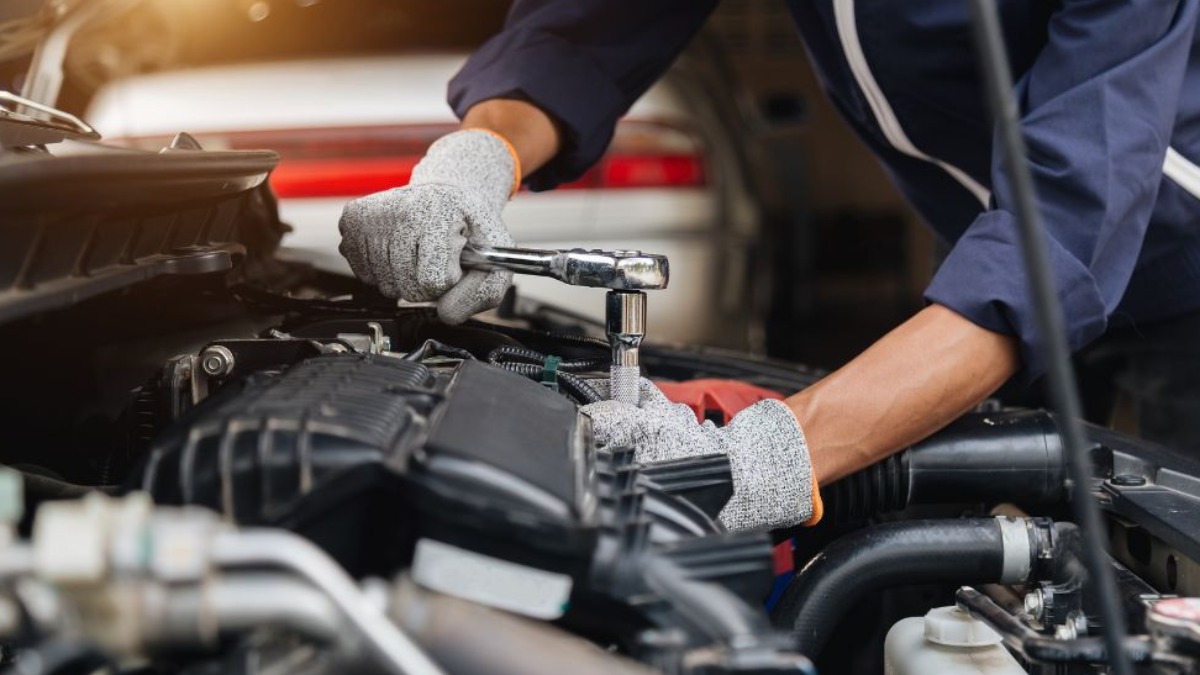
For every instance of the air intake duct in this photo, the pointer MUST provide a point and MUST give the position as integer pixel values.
(1014, 456)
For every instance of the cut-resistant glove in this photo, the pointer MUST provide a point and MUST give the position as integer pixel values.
(773, 483)
(407, 241)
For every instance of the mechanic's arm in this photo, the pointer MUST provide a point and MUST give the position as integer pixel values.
(1098, 110)
(918, 378)
(539, 103)
(532, 134)
(1098, 107)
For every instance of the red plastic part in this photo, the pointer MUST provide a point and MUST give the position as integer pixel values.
(718, 400)
(783, 557)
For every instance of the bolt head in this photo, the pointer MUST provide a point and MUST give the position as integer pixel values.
(216, 361)
(1035, 604)
(212, 364)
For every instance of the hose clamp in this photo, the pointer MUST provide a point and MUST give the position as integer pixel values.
(1018, 551)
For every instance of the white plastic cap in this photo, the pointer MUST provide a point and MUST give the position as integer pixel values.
(952, 627)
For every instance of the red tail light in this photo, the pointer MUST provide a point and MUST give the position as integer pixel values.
(631, 171)
(340, 177)
(647, 155)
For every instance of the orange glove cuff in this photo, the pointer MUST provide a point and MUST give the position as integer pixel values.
(818, 506)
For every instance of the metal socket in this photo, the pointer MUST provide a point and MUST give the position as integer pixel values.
(625, 315)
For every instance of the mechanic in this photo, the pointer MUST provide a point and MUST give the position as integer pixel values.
(1110, 97)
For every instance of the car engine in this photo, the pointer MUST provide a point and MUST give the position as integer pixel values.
(217, 461)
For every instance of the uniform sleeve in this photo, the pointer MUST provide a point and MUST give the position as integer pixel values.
(1097, 109)
(584, 62)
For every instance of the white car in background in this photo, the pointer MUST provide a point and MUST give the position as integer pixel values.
(344, 127)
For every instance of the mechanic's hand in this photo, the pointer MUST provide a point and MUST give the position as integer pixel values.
(773, 484)
(407, 241)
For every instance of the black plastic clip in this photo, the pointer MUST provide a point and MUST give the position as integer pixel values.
(550, 372)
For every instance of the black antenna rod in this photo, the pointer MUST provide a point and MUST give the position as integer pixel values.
(993, 58)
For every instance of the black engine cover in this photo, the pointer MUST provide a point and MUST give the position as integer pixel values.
(480, 483)
(363, 453)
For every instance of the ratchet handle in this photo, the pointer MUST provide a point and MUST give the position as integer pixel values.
(519, 260)
(617, 270)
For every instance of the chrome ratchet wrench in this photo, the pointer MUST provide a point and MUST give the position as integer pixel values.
(628, 274)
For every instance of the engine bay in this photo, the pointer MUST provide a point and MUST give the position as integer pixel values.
(221, 462)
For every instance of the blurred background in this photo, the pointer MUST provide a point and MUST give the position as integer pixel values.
(784, 234)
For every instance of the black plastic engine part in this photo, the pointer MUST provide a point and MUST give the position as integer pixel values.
(1012, 456)
(382, 461)
(303, 451)
(969, 551)
(323, 450)
(118, 217)
(702, 481)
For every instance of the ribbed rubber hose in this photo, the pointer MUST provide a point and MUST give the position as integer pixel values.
(952, 552)
(1011, 456)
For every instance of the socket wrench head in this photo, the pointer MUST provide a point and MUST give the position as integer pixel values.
(625, 315)
(625, 319)
(618, 270)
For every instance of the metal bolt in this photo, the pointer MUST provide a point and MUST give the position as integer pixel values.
(380, 342)
(1065, 631)
(1035, 604)
(216, 361)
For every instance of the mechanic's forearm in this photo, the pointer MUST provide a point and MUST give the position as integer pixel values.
(532, 133)
(912, 382)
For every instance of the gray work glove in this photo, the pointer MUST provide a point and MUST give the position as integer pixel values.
(772, 476)
(407, 241)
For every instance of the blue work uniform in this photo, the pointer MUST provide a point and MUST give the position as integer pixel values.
(1109, 92)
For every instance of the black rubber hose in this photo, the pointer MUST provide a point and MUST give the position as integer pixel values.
(955, 552)
(1014, 456)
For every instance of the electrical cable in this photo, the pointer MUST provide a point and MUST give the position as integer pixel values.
(993, 57)
(572, 384)
(532, 364)
(511, 354)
